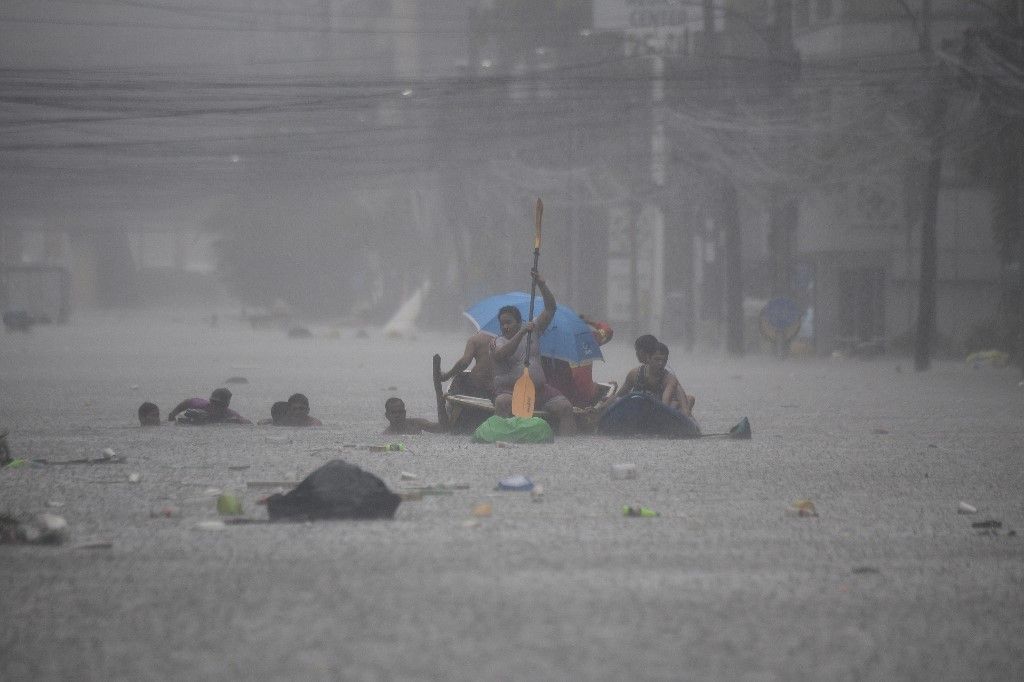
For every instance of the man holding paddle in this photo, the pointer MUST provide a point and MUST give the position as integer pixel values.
(517, 348)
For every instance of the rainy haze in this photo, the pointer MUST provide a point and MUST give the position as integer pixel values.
(295, 207)
(696, 159)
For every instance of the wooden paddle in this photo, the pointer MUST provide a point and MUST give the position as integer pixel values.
(442, 411)
(524, 393)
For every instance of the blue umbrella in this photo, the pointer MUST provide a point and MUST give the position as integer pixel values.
(567, 337)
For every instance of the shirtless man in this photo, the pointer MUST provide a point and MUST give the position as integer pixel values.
(478, 381)
(399, 424)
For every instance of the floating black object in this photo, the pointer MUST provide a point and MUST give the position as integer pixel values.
(337, 490)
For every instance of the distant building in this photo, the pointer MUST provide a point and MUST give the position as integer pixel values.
(859, 240)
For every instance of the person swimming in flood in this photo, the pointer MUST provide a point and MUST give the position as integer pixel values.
(298, 412)
(214, 410)
(278, 414)
(400, 424)
(149, 414)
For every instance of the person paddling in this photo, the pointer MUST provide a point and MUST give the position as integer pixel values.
(509, 354)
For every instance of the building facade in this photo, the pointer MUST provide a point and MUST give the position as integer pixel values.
(859, 235)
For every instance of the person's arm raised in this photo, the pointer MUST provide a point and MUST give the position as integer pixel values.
(544, 319)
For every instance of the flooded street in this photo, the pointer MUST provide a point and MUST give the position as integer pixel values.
(888, 581)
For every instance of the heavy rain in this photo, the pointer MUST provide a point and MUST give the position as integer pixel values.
(511, 339)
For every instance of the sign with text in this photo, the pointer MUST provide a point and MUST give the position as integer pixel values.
(624, 15)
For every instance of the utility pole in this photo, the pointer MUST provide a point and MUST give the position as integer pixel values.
(1017, 177)
(784, 209)
(1018, 133)
(924, 339)
(634, 271)
(656, 215)
(727, 211)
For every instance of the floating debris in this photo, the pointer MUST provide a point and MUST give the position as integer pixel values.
(517, 483)
(211, 525)
(802, 508)
(43, 529)
(862, 570)
(623, 471)
(388, 447)
(639, 511)
(166, 511)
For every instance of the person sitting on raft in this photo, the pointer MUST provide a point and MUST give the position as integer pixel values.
(478, 381)
(645, 346)
(298, 412)
(401, 425)
(216, 408)
(653, 378)
(510, 355)
(149, 414)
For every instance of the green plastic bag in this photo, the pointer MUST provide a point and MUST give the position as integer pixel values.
(514, 430)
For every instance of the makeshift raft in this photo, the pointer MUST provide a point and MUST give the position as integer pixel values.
(478, 409)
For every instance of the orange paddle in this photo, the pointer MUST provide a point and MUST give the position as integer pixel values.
(524, 393)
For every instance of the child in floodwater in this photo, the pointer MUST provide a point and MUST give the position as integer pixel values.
(149, 414)
(652, 377)
(399, 424)
(278, 413)
(298, 412)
